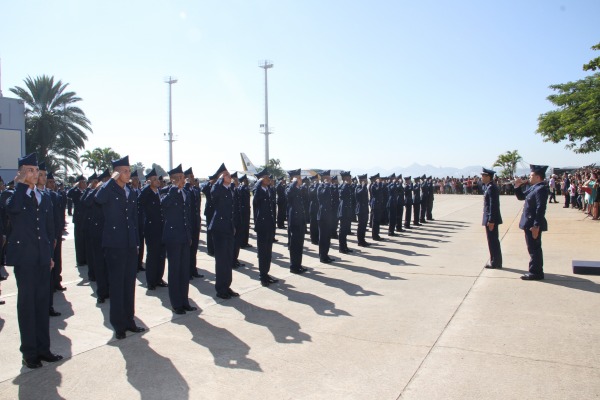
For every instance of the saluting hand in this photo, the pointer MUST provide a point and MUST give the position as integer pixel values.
(115, 175)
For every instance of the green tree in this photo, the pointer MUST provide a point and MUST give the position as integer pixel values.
(90, 159)
(274, 168)
(577, 119)
(55, 128)
(137, 166)
(99, 158)
(508, 161)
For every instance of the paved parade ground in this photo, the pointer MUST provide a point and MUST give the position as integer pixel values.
(414, 317)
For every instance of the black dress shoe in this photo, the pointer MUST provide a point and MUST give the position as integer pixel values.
(179, 311)
(273, 280)
(343, 251)
(532, 277)
(50, 357)
(407, 227)
(60, 288)
(326, 261)
(165, 284)
(54, 313)
(265, 282)
(297, 271)
(136, 329)
(223, 296)
(392, 234)
(189, 308)
(150, 287)
(101, 299)
(247, 246)
(379, 239)
(331, 258)
(2, 302)
(195, 275)
(275, 240)
(490, 266)
(32, 364)
(120, 335)
(239, 264)
(233, 294)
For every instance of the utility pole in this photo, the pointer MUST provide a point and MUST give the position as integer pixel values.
(266, 64)
(170, 139)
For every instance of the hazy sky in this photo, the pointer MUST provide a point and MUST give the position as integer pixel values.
(355, 84)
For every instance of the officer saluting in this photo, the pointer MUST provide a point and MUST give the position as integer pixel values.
(533, 219)
(222, 231)
(264, 225)
(78, 219)
(120, 243)
(29, 249)
(362, 210)
(194, 192)
(324, 196)
(344, 211)
(296, 221)
(177, 237)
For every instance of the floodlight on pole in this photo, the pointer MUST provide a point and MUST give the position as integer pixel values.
(266, 64)
(170, 80)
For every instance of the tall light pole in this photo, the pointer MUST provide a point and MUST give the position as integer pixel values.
(266, 64)
(169, 139)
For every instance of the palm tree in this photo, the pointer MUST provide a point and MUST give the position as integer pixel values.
(99, 159)
(55, 127)
(508, 161)
(90, 159)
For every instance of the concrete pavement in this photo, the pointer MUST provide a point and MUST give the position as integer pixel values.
(415, 317)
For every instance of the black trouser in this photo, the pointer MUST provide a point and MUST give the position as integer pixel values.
(494, 246)
(407, 215)
(141, 249)
(423, 210)
(552, 196)
(178, 255)
(281, 215)
(155, 260)
(376, 214)
(237, 244)
(89, 255)
(399, 215)
(223, 260)
(334, 223)
(416, 212)
(194, 250)
(361, 229)
(210, 245)
(345, 225)
(392, 216)
(102, 283)
(324, 237)
(536, 256)
(245, 230)
(264, 242)
(430, 208)
(122, 270)
(80, 244)
(567, 199)
(296, 244)
(314, 229)
(33, 303)
(56, 276)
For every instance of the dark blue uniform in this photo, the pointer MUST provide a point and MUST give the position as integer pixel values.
(281, 204)
(29, 249)
(59, 206)
(264, 226)
(208, 214)
(244, 198)
(296, 225)
(120, 243)
(430, 199)
(392, 207)
(344, 214)
(416, 191)
(177, 237)
(424, 201)
(313, 211)
(408, 202)
(376, 191)
(195, 226)
(400, 205)
(534, 214)
(362, 212)
(491, 214)
(222, 230)
(324, 196)
(153, 231)
(97, 260)
(79, 222)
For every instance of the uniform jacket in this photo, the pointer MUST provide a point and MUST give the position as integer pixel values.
(264, 220)
(325, 202)
(208, 208)
(96, 221)
(491, 205)
(222, 199)
(153, 216)
(534, 209)
(344, 210)
(362, 200)
(120, 216)
(295, 206)
(408, 194)
(177, 214)
(31, 241)
(313, 208)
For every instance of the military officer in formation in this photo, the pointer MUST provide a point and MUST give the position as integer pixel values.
(491, 217)
(345, 210)
(264, 225)
(30, 250)
(296, 221)
(324, 216)
(79, 219)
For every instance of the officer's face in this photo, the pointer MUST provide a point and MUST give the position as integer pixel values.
(226, 177)
(154, 182)
(486, 179)
(178, 180)
(265, 181)
(124, 175)
(51, 184)
(42, 178)
(30, 174)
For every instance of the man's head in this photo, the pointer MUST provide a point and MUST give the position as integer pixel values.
(42, 175)
(538, 173)
(487, 175)
(28, 170)
(122, 167)
(50, 182)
